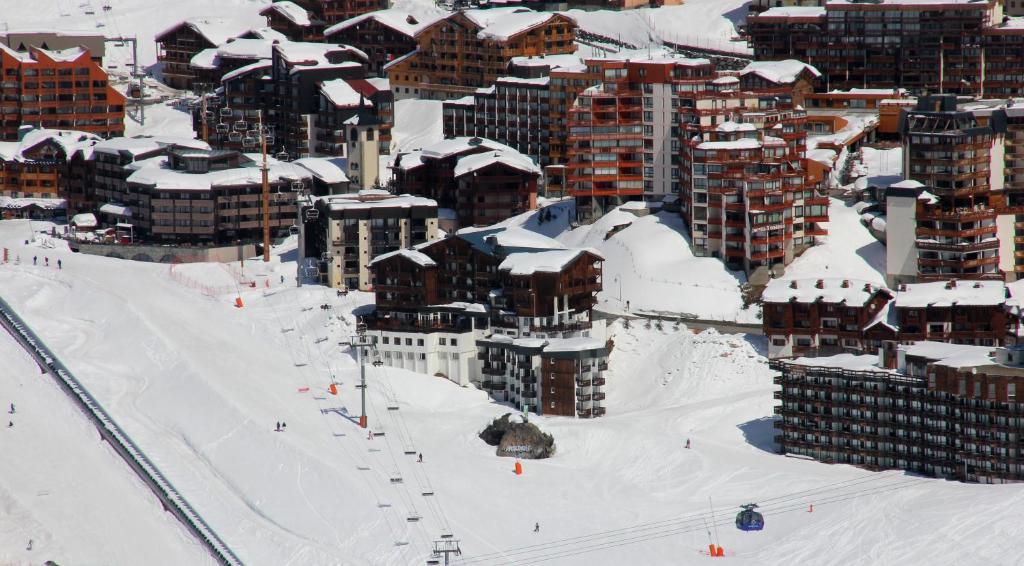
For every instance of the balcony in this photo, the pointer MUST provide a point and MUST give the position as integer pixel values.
(598, 381)
(584, 382)
(493, 385)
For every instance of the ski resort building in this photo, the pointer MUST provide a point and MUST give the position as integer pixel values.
(177, 45)
(209, 66)
(346, 231)
(822, 317)
(953, 46)
(472, 48)
(942, 410)
(385, 35)
(509, 310)
(293, 21)
(65, 90)
(36, 166)
(315, 100)
(482, 181)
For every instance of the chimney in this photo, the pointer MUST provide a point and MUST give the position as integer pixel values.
(845, 284)
(820, 284)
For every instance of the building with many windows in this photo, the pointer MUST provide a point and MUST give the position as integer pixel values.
(65, 90)
(177, 45)
(937, 409)
(472, 48)
(385, 35)
(505, 309)
(346, 231)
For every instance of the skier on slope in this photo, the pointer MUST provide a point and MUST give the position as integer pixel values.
(60, 265)
(536, 527)
(35, 260)
(420, 459)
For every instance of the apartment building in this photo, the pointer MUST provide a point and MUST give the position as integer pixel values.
(213, 196)
(293, 21)
(505, 309)
(955, 46)
(470, 49)
(209, 66)
(822, 317)
(35, 166)
(937, 409)
(483, 182)
(944, 216)
(345, 231)
(57, 90)
(385, 35)
(178, 44)
(314, 100)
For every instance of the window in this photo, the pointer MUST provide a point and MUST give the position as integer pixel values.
(552, 390)
(408, 341)
(442, 341)
(386, 340)
(423, 356)
(778, 341)
(455, 342)
(1011, 391)
(419, 341)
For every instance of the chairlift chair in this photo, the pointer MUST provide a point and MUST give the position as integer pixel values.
(748, 519)
(253, 133)
(241, 126)
(282, 156)
(312, 214)
(293, 230)
(248, 142)
(270, 139)
(235, 137)
(297, 185)
(226, 112)
(223, 128)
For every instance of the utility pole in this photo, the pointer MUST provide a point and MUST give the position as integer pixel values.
(361, 342)
(206, 125)
(140, 106)
(446, 547)
(266, 193)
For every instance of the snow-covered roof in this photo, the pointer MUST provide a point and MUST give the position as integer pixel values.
(84, 220)
(266, 33)
(360, 200)
(730, 126)
(401, 21)
(907, 184)
(451, 146)
(140, 145)
(979, 3)
(744, 143)
(503, 23)
(215, 30)
(560, 62)
(330, 170)
(951, 355)
(263, 64)
(792, 12)
(851, 362)
(342, 95)
(510, 238)
(947, 294)
(161, 177)
(419, 258)
(69, 141)
(234, 49)
(477, 161)
(289, 10)
(549, 261)
(115, 209)
(779, 71)
(827, 290)
(26, 202)
(308, 55)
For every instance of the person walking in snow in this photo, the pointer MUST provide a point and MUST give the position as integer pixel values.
(59, 264)
(47, 261)
(420, 459)
(12, 408)
(278, 429)
(35, 260)
(29, 547)
(687, 442)
(536, 527)
(282, 279)
(369, 435)
(10, 424)
(284, 426)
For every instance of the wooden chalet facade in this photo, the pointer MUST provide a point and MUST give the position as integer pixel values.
(472, 48)
(384, 36)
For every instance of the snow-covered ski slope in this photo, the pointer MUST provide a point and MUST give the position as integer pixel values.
(200, 384)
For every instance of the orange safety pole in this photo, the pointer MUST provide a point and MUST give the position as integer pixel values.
(519, 468)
